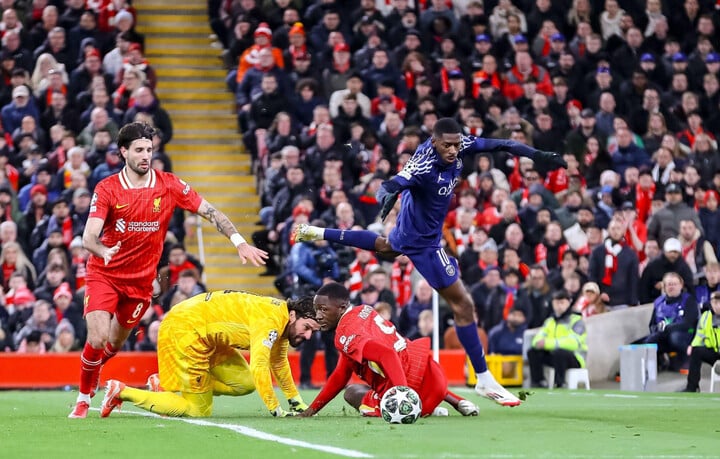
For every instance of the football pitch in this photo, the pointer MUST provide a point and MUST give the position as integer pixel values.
(557, 424)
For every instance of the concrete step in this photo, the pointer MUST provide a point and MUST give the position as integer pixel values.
(180, 43)
(228, 157)
(176, 28)
(192, 17)
(200, 106)
(194, 89)
(197, 61)
(190, 53)
(202, 95)
(204, 155)
(189, 8)
(188, 71)
(195, 177)
(208, 119)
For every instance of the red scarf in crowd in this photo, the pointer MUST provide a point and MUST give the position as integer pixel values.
(357, 274)
(400, 283)
(611, 264)
(509, 302)
(643, 201)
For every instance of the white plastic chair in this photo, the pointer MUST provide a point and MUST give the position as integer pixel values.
(573, 377)
(714, 375)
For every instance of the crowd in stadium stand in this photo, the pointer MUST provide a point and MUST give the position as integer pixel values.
(333, 97)
(73, 73)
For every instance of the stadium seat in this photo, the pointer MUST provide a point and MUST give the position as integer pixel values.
(714, 375)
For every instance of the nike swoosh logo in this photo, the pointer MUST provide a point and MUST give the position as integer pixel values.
(118, 206)
(130, 322)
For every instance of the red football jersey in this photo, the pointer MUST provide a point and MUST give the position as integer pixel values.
(139, 219)
(360, 325)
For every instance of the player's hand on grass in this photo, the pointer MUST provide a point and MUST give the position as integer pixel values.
(110, 252)
(546, 161)
(307, 413)
(297, 405)
(280, 413)
(253, 254)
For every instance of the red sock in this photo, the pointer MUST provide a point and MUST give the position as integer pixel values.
(108, 353)
(90, 362)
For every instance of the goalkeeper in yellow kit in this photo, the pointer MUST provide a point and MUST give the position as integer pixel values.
(199, 355)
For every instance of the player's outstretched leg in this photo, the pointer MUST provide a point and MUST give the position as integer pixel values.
(112, 397)
(362, 239)
(466, 327)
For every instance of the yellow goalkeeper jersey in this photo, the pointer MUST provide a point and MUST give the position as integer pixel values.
(241, 320)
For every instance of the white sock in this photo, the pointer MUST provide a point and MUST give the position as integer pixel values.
(320, 232)
(485, 378)
(83, 398)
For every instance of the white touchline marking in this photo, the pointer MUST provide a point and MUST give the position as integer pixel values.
(254, 433)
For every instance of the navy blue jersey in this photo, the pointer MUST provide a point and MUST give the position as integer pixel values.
(428, 184)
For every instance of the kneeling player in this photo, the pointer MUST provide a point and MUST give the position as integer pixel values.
(370, 347)
(198, 354)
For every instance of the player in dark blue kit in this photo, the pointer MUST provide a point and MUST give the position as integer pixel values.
(428, 179)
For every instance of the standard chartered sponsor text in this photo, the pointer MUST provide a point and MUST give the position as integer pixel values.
(144, 227)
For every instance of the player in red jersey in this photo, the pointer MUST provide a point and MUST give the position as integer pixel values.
(370, 347)
(132, 211)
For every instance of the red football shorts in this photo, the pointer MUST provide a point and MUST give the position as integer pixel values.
(432, 392)
(128, 305)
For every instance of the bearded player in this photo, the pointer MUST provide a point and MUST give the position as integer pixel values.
(199, 357)
(125, 231)
(427, 184)
(370, 347)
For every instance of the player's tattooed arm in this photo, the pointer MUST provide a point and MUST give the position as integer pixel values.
(217, 218)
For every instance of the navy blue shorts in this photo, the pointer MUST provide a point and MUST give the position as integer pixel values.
(433, 263)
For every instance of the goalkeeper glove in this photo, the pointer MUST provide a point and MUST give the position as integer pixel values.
(546, 161)
(280, 413)
(297, 405)
(386, 200)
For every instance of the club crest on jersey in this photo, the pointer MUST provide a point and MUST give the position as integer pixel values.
(450, 270)
(270, 340)
(156, 205)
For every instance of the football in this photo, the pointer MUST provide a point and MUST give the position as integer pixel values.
(400, 405)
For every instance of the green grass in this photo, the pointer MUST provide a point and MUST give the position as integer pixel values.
(557, 424)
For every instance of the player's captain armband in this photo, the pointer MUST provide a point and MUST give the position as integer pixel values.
(236, 239)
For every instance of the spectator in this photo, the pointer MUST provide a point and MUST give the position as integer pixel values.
(506, 338)
(704, 346)
(65, 340)
(21, 106)
(147, 102)
(666, 222)
(590, 302)
(410, 314)
(673, 321)
(561, 343)
(671, 261)
(614, 267)
(696, 250)
(68, 311)
(14, 260)
(314, 263)
(42, 321)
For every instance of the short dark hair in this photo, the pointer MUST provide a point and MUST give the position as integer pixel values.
(134, 131)
(303, 307)
(446, 126)
(334, 290)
